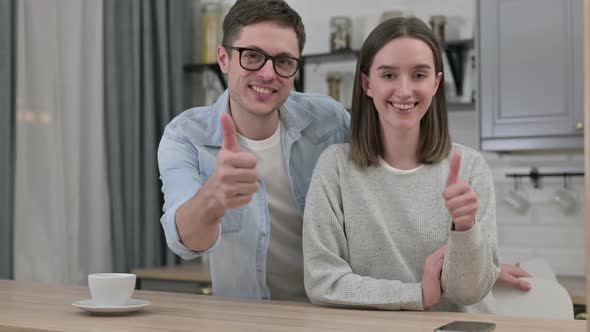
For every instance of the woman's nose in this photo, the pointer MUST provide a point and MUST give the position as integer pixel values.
(404, 88)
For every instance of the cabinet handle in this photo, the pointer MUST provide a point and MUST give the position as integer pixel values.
(580, 125)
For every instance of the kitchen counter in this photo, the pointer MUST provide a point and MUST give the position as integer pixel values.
(28, 307)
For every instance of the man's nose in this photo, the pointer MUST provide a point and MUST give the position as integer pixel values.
(267, 71)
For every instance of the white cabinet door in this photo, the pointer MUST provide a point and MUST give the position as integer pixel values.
(531, 83)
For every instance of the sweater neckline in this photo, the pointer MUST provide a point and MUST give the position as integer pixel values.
(394, 170)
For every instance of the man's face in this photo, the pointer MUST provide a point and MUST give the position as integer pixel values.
(259, 92)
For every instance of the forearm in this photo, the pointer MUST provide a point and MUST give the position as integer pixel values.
(197, 220)
(470, 267)
(343, 289)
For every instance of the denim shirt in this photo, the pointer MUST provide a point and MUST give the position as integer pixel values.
(187, 157)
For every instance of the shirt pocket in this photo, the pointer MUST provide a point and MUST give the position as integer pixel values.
(233, 220)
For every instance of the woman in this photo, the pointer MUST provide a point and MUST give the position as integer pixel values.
(401, 218)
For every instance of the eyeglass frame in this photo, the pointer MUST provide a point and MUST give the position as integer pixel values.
(267, 57)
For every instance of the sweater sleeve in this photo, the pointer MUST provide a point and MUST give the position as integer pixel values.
(471, 263)
(329, 279)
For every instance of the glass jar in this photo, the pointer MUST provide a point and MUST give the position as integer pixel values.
(211, 18)
(389, 14)
(437, 23)
(333, 79)
(340, 31)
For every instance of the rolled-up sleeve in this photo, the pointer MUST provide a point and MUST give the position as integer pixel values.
(471, 263)
(181, 179)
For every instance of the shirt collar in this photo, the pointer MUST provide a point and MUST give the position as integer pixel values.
(294, 117)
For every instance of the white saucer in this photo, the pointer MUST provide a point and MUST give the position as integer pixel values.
(131, 306)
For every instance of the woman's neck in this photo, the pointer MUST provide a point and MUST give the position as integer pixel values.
(400, 148)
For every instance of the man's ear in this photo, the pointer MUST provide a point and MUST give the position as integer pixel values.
(366, 84)
(223, 59)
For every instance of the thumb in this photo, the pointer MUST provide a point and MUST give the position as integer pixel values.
(454, 168)
(230, 141)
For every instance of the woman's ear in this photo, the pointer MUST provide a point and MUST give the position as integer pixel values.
(437, 81)
(365, 83)
(223, 59)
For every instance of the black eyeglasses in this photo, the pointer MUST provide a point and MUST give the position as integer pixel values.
(253, 60)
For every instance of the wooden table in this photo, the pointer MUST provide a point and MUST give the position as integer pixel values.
(27, 307)
(198, 279)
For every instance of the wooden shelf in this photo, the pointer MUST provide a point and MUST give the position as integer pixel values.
(335, 56)
(455, 50)
(200, 67)
(460, 107)
(188, 272)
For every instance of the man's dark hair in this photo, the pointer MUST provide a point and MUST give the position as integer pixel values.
(246, 12)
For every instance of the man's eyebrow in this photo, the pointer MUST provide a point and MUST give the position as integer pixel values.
(422, 66)
(283, 54)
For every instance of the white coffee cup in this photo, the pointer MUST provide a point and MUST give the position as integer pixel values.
(111, 289)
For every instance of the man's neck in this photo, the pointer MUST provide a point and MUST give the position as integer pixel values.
(253, 126)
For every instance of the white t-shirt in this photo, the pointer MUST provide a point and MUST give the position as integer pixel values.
(284, 268)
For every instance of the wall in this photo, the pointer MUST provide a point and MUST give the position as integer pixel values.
(543, 230)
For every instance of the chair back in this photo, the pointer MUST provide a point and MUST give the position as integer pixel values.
(546, 299)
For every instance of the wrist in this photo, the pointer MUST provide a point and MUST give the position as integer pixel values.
(461, 227)
(427, 293)
(210, 205)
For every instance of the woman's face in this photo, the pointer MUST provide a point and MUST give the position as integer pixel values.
(402, 82)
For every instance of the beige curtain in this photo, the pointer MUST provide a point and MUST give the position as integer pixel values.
(62, 223)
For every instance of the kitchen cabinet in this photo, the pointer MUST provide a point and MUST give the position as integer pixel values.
(531, 79)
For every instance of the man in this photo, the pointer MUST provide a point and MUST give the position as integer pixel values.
(237, 171)
(214, 201)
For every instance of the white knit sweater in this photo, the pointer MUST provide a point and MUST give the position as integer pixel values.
(367, 232)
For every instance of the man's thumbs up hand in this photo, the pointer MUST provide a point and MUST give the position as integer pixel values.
(235, 179)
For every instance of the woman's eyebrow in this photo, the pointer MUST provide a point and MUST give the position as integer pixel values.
(388, 67)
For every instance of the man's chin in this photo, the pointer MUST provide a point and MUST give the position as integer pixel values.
(261, 110)
(264, 112)
(264, 108)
